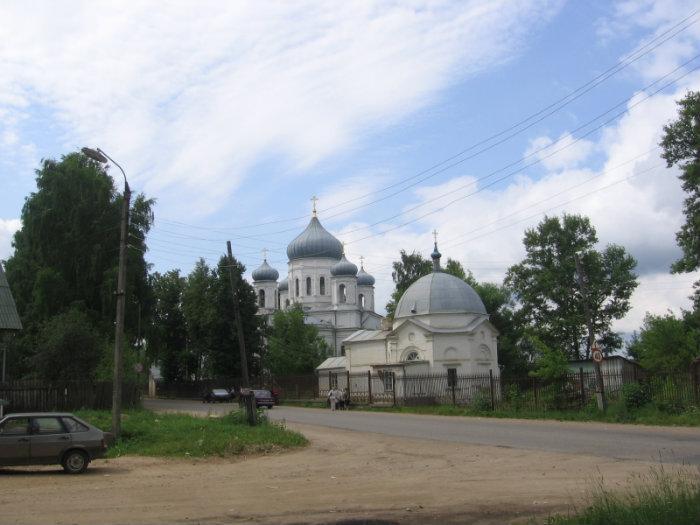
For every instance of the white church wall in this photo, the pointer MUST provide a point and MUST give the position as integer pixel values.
(368, 293)
(365, 353)
(314, 269)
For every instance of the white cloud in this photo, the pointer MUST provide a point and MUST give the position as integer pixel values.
(567, 153)
(8, 227)
(191, 97)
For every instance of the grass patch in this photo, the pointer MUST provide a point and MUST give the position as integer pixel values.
(308, 403)
(145, 433)
(656, 498)
(617, 413)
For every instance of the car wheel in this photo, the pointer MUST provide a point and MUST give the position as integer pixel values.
(75, 462)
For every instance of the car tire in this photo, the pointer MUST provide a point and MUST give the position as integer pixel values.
(75, 462)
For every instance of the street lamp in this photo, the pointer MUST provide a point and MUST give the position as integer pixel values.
(101, 157)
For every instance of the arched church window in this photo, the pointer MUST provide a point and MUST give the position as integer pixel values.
(261, 298)
(296, 287)
(412, 356)
(361, 300)
(342, 297)
(308, 286)
(322, 285)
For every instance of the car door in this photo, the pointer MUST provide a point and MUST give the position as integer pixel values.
(14, 441)
(48, 439)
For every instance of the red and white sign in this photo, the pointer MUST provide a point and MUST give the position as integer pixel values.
(596, 354)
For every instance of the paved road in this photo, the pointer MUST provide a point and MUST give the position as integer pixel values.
(670, 445)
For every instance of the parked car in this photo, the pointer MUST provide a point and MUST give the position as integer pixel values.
(264, 398)
(218, 395)
(46, 438)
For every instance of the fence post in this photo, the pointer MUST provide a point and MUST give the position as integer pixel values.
(347, 383)
(394, 390)
(493, 398)
(694, 375)
(369, 387)
(583, 389)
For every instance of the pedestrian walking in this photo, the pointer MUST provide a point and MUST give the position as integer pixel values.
(333, 397)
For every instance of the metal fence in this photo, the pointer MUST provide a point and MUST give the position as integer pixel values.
(484, 391)
(39, 396)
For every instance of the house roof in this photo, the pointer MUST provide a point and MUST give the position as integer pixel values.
(367, 335)
(9, 318)
(333, 363)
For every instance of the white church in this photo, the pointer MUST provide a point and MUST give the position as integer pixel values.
(440, 323)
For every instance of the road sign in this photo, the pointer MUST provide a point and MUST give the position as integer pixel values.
(597, 355)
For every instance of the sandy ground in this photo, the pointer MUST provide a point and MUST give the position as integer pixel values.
(341, 476)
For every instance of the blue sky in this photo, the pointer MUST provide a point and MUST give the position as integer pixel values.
(232, 115)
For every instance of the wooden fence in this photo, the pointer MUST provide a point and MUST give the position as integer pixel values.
(39, 396)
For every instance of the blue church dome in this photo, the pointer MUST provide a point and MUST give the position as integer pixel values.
(343, 267)
(315, 241)
(265, 272)
(363, 278)
(283, 286)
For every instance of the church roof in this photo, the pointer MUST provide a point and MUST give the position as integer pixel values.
(9, 318)
(314, 241)
(333, 363)
(265, 272)
(363, 278)
(439, 292)
(283, 285)
(344, 267)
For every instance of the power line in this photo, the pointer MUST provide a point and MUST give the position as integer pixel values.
(547, 111)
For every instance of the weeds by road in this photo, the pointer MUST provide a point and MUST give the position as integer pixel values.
(658, 497)
(145, 433)
(616, 413)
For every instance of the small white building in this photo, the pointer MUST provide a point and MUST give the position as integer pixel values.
(440, 326)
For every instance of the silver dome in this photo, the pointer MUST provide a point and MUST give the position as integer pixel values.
(265, 272)
(283, 286)
(364, 279)
(315, 241)
(343, 267)
(438, 293)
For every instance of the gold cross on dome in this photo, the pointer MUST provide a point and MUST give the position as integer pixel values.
(314, 200)
(264, 253)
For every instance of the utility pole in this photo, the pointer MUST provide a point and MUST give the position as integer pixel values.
(600, 388)
(237, 317)
(119, 325)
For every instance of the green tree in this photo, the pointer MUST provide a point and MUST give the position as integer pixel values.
(681, 147)
(546, 285)
(200, 312)
(666, 343)
(66, 253)
(294, 347)
(168, 336)
(407, 271)
(550, 363)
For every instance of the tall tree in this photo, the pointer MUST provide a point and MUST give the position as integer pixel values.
(681, 147)
(66, 253)
(546, 285)
(168, 336)
(407, 270)
(294, 347)
(200, 312)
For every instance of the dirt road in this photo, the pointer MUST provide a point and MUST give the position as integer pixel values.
(341, 475)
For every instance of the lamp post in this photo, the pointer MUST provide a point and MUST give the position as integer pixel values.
(101, 157)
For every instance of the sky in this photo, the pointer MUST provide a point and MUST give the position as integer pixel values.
(474, 118)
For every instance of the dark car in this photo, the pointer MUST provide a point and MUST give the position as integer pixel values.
(46, 438)
(264, 398)
(218, 395)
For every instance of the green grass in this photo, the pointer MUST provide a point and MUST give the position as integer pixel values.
(657, 498)
(616, 413)
(145, 433)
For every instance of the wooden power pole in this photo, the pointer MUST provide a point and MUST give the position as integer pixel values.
(237, 317)
(600, 387)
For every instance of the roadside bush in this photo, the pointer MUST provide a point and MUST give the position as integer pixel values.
(513, 397)
(481, 401)
(636, 395)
